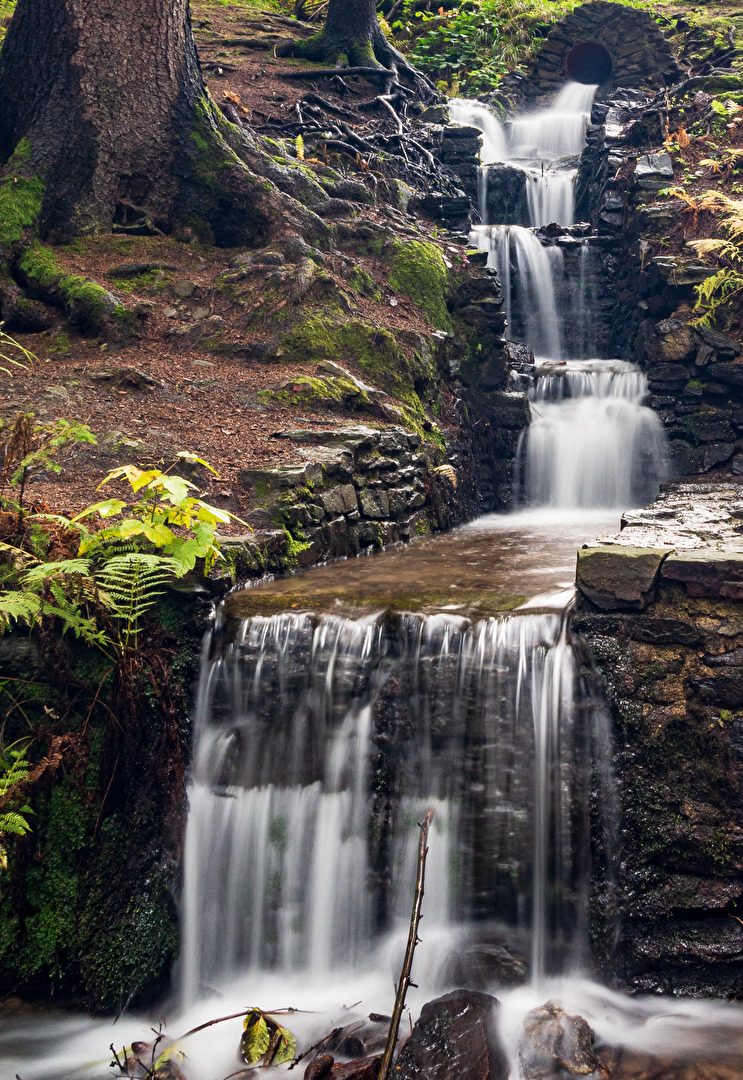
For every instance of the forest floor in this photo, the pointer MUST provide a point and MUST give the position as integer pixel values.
(164, 391)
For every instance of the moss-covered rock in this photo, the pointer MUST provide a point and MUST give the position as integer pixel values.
(418, 270)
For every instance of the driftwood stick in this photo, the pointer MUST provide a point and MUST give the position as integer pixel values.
(407, 964)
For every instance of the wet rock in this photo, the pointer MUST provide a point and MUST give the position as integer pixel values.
(366, 1068)
(454, 1039)
(654, 166)
(707, 572)
(555, 1046)
(319, 1067)
(614, 577)
(663, 631)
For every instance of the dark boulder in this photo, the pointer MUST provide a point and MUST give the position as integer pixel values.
(454, 1039)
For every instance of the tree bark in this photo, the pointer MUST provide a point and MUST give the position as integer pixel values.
(103, 103)
(352, 36)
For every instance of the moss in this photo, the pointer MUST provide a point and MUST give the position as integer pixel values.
(311, 390)
(362, 282)
(20, 199)
(294, 549)
(419, 271)
(52, 884)
(91, 303)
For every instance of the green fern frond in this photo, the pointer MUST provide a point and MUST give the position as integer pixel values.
(131, 584)
(40, 573)
(11, 822)
(19, 607)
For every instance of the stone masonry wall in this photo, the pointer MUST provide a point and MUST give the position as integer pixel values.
(660, 612)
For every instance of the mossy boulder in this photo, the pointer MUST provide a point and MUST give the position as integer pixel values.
(418, 270)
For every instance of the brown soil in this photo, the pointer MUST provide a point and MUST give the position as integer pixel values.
(190, 399)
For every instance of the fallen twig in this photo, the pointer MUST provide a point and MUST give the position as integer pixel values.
(407, 964)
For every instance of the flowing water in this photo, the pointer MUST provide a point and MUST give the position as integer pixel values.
(337, 706)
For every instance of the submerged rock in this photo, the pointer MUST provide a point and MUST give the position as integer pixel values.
(454, 1039)
(555, 1046)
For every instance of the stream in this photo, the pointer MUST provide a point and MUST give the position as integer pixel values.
(337, 705)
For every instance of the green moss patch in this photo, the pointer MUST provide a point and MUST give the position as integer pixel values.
(20, 199)
(419, 271)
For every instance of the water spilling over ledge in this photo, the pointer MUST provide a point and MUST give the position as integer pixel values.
(322, 740)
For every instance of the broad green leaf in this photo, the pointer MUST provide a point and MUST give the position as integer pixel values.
(212, 514)
(159, 535)
(255, 1038)
(107, 508)
(287, 1048)
(175, 486)
(185, 455)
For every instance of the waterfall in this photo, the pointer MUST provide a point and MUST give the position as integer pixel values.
(592, 442)
(543, 145)
(321, 741)
(529, 272)
(475, 114)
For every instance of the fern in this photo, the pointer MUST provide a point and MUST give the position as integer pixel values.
(19, 607)
(14, 768)
(13, 822)
(130, 586)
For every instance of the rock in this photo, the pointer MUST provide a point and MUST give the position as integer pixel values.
(663, 631)
(555, 1046)
(280, 478)
(319, 1067)
(339, 500)
(184, 288)
(200, 313)
(454, 1039)
(366, 1068)
(374, 504)
(615, 578)
(435, 114)
(509, 410)
(707, 572)
(726, 373)
(674, 341)
(726, 347)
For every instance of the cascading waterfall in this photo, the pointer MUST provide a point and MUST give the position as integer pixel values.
(527, 271)
(592, 442)
(543, 145)
(321, 741)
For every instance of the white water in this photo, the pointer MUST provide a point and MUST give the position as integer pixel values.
(528, 271)
(538, 143)
(279, 870)
(591, 442)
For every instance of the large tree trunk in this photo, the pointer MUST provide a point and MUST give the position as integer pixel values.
(352, 36)
(102, 102)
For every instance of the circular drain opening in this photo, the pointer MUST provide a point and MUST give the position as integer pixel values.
(589, 63)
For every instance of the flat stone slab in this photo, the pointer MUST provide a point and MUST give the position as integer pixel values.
(707, 572)
(616, 577)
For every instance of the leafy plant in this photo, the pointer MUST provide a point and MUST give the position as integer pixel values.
(719, 290)
(166, 516)
(29, 445)
(14, 768)
(64, 590)
(131, 585)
